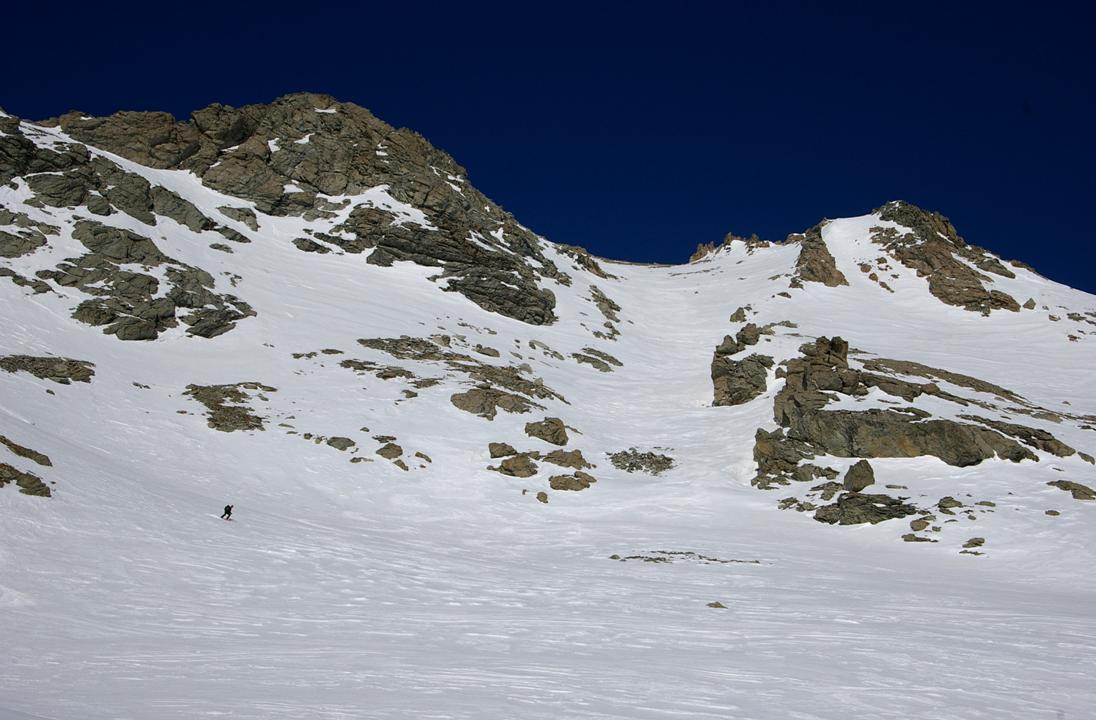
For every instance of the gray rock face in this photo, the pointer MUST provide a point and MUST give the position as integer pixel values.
(28, 236)
(729, 346)
(750, 334)
(244, 215)
(808, 430)
(736, 382)
(935, 250)
(815, 263)
(1032, 437)
(253, 152)
(125, 303)
(873, 433)
(859, 476)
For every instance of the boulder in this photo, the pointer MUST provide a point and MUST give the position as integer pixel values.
(551, 430)
(859, 476)
(568, 458)
(748, 335)
(390, 451)
(499, 449)
(518, 466)
(485, 401)
(578, 481)
(341, 443)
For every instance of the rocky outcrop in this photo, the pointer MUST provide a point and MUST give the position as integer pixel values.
(227, 407)
(59, 370)
(521, 466)
(486, 401)
(568, 458)
(129, 304)
(602, 361)
(28, 483)
(26, 235)
(906, 367)
(936, 252)
(854, 508)
(736, 382)
(807, 430)
(516, 383)
(873, 433)
(25, 452)
(633, 460)
(499, 449)
(551, 430)
(1032, 437)
(310, 155)
(575, 482)
(585, 260)
(815, 263)
(1077, 490)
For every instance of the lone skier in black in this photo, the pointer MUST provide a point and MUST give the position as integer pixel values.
(227, 515)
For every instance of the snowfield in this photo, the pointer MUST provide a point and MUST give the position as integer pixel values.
(360, 590)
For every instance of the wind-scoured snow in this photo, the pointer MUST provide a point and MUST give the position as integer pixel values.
(347, 590)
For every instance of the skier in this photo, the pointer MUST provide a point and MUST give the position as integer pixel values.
(227, 515)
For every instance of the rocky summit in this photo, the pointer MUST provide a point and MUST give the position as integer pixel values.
(436, 426)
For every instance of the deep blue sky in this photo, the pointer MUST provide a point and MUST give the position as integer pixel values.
(639, 133)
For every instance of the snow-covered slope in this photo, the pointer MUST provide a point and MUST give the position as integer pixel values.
(334, 357)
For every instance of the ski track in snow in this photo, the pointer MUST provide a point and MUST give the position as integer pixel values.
(350, 591)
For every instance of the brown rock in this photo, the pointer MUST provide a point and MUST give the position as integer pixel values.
(859, 476)
(578, 481)
(518, 466)
(498, 449)
(550, 430)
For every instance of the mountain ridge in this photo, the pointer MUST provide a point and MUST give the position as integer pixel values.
(452, 443)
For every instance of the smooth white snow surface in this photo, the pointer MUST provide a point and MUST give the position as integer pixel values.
(362, 591)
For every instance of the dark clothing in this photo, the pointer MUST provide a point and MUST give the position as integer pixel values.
(227, 515)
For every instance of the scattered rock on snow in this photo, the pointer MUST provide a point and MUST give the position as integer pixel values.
(26, 452)
(550, 430)
(57, 369)
(1077, 490)
(28, 483)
